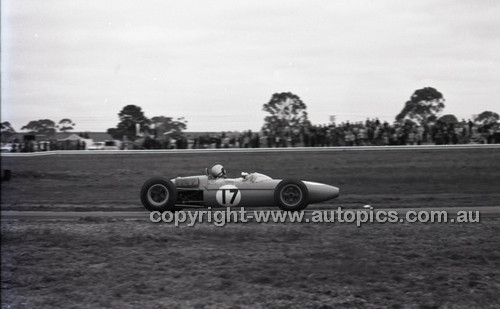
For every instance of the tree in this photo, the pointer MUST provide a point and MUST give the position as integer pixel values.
(448, 118)
(486, 117)
(131, 118)
(287, 114)
(162, 126)
(65, 125)
(42, 126)
(7, 131)
(423, 107)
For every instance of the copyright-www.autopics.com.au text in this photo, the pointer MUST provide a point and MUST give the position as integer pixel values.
(219, 217)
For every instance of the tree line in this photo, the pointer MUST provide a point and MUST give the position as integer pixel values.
(288, 115)
(286, 112)
(45, 127)
(134, 124)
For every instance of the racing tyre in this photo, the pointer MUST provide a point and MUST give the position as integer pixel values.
(158, 194)
(291, 195)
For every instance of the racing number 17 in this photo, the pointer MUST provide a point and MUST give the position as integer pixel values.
(234, 193)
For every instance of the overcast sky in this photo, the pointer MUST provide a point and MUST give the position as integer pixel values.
(217, 62)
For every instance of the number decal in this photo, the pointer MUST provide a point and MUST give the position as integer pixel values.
(228, 195)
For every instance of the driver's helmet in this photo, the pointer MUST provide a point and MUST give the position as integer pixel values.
(218, 171)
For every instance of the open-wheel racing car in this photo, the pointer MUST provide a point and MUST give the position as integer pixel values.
(215, 190)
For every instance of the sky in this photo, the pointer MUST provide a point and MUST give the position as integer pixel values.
(217, 62)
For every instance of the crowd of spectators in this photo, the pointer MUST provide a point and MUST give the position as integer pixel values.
(371, 132)
(45, 145)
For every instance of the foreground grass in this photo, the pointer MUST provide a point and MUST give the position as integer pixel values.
(137, 264)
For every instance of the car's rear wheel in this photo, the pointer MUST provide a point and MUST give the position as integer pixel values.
(158, 194)
(291, 195)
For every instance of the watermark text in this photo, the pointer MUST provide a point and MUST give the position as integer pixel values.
(219, 217)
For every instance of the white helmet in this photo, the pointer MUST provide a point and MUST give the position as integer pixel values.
(218, 171)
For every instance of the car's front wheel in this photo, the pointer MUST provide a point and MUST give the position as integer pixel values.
(158, 194)
(291, 195)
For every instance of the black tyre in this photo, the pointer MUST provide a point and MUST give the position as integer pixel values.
(158, 194)
(291, 195)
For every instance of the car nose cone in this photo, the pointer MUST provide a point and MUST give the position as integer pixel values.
(319, 192)
(331, 191)
(335, 191)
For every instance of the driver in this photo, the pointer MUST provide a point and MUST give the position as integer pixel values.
(218, 171)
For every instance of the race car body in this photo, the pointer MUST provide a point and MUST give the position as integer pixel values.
(254, 189)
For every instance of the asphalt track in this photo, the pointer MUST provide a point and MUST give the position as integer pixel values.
(484, 212)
